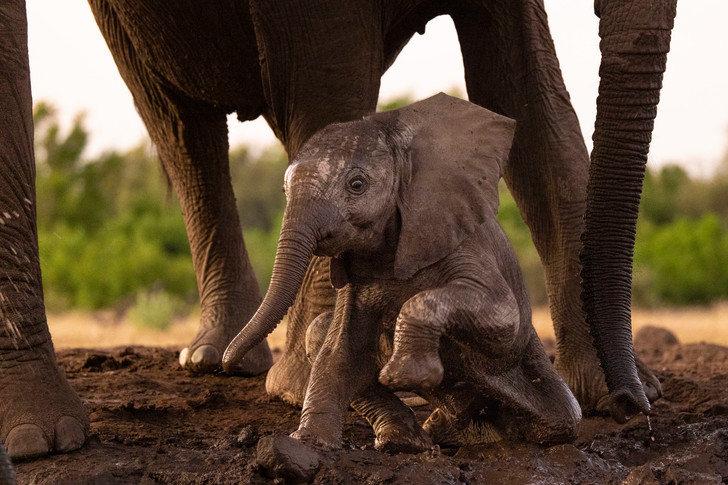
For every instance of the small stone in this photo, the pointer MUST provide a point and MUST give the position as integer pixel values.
(284, 457)
(247, 436)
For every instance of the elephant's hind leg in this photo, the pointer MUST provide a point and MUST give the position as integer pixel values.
(191, 138)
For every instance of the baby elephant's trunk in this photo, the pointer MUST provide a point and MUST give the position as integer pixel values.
(300, 234)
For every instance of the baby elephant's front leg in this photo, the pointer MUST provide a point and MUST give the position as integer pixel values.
(490, 316)
(344, 365)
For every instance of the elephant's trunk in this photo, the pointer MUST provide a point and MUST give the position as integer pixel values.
(303, 228)
(635, 41)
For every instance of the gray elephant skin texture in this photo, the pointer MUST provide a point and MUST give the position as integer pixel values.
(430, 297)
(302, 66)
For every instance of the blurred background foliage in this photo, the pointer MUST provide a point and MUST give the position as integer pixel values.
(111, 232)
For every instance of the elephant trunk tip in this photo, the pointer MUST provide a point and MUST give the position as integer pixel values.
(236, 350)
(625, 403)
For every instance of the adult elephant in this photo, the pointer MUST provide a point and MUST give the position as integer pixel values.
(304, 65)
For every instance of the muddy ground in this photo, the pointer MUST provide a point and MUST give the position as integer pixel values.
(154, 423)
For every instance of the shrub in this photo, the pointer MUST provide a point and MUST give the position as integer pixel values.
(154, 309)
(685, 262)
(261, 245)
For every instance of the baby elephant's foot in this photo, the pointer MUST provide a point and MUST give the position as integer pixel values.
(445, 430)
(321, 440)
(412, 372)
(402, 439)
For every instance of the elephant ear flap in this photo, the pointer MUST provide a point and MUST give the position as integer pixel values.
(457, 156)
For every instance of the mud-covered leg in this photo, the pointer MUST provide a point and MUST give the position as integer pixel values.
(525, 399)
(490, 316)
(395, 425)
(511, 68)
(442, 427)
(344, 367)
(39, 412)
(191, 138)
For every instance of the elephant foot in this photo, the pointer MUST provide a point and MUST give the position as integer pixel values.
(204, 354)
(444, 430)
(586, 381)
(287, 380)
(39, 412)
(402, 439)
(320, 440)
(418, 373)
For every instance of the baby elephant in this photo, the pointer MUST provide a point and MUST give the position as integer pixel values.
(429, 296)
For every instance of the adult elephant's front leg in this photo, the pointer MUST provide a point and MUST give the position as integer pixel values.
(39, 412)
(191, 138)
(344, 367)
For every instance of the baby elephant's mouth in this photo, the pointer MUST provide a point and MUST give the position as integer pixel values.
(339, 278)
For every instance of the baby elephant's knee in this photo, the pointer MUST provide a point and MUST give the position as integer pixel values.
(316, 334)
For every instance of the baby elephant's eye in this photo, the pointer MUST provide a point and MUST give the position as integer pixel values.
(357, 185)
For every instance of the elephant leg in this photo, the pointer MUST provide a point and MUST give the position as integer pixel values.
(525, 399)
(511, 68)
(489, 316)
(191, 139)
(344, 367)
(39, 412)
(288, 378)
(395, 425)
(442, 428)
(195, 158)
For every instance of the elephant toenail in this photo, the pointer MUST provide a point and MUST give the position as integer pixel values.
(206, 354)
(183, 356)
(69, 435)
(26, 441)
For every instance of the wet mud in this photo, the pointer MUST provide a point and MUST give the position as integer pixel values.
(154, 423)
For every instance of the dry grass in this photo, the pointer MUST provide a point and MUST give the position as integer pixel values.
(691, 325)
(103, 329)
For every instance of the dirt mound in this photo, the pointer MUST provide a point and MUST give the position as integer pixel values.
(153, 423)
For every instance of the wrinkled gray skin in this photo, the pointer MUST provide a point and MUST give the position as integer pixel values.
(304, 65)
(431, 298)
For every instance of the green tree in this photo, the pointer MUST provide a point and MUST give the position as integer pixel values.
(258, 185)
(107, 227)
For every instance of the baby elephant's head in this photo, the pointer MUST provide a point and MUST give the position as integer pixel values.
(413, 182)
(346, 184)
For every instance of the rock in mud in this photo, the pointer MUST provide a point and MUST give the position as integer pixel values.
(247, 436)
(285, 457)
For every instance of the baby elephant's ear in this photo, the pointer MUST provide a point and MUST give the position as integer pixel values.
(458, 153)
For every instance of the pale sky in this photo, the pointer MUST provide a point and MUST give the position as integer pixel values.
(72, 68)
